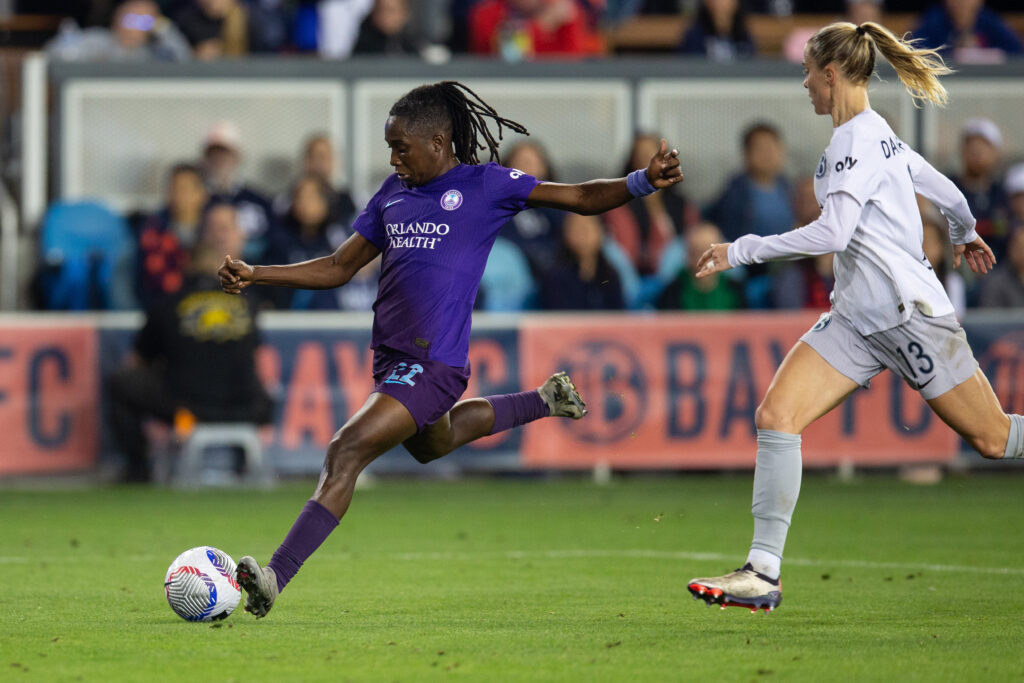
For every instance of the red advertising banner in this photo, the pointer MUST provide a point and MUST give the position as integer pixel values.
(49, 389)
(680, 391)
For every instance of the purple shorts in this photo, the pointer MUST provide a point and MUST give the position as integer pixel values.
(427, 388)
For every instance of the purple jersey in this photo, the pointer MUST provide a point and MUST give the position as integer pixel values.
(435, 239)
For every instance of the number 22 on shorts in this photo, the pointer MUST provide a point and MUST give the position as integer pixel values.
(396, 376)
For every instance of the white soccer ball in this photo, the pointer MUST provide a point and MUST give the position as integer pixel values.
(200, 584)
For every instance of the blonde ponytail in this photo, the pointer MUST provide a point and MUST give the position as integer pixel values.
(852, 48)
(918, 69)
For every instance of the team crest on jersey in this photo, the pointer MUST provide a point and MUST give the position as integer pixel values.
(822, 165)
(822, 323)
(451, 200)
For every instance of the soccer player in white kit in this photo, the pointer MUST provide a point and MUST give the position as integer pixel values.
(889, 310)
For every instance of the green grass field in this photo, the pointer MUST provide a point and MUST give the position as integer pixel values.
(524, 580)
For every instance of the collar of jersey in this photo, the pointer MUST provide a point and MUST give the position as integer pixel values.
(437, 179)
(856, 116)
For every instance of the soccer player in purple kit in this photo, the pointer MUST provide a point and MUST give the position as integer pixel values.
(434, 219)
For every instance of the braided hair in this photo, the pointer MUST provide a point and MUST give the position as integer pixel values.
(452, 108)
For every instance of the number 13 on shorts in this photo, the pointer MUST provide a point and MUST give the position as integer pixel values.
(917, 361)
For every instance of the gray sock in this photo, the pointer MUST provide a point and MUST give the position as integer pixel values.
(776, 488)
(1015, 443)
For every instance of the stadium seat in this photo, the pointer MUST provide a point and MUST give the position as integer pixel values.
(189, 469)
(507, 282)
(86, 258)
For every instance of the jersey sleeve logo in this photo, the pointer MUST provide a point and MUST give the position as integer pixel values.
(846, 164)
(822, 167)
(822, 323)
(451, 200)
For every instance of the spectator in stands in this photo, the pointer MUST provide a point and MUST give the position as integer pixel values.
(432, 21)
(526, 246)
(137, 32)
(232, 28)
(307, 231)
(617, 11)
(857, 12)
(646, 226)
(387, 31)
(581, 278)
(806, 283)
(981, 145)
(215, 28)
(687, 293)
(221, 160)
(1014, 186)
(939, 252)
(967, 31)
(195, 355)
(860, 11)
(527, 29)
(719, 32)
(536, 231)
(458, 10)
(756, 200)
(329, 27)
(1004, 287)
(318, 160)
(166, 237)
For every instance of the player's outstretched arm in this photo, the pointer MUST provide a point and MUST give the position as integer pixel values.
(598, 196)
(325, 272)
(829, 233)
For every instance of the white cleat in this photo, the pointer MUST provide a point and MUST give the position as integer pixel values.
(741, 588)
(561, 397)
(260, 585)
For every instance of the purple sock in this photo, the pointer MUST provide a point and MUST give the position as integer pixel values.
(512, 410)
(314, 524)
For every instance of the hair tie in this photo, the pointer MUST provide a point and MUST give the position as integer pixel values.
(860, 30)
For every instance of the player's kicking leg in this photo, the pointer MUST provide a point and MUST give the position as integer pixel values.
(478, 417)
(380, 425)
(560, 395)
(259, 584)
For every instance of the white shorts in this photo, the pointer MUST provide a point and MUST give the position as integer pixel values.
(931, 354)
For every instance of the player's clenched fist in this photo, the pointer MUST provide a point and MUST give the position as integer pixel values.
(235, 275)
(664, 171)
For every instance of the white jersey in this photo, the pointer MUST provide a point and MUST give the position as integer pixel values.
(866, 183)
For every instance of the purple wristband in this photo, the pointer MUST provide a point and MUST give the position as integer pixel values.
(638, 184)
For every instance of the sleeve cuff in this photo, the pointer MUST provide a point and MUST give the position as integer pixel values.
(733, 254)
(969, 237)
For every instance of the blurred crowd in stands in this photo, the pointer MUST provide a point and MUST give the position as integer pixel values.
(721, 30)
(639, 256)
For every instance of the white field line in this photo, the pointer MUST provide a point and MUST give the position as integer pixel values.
(578, 554)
